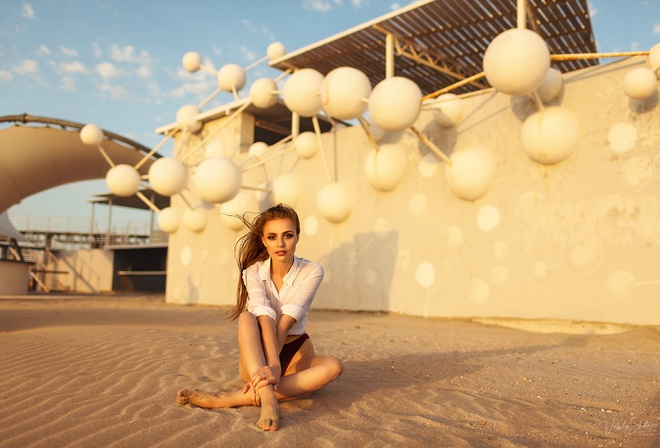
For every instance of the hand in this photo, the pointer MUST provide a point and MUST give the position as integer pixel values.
(256, 399)
(264, 376)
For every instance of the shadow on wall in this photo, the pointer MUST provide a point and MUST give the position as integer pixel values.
(358, 276)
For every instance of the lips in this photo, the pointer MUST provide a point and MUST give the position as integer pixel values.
(281, 253)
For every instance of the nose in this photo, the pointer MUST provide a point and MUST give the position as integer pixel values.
(280, 242)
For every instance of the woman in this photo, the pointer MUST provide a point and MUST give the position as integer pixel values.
(275, 291)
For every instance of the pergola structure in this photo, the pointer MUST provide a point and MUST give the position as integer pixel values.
(437, 43)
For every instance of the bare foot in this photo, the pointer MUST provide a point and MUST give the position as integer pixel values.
(197, 397)
(269, 420)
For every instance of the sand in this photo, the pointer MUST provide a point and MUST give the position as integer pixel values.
(104, 371)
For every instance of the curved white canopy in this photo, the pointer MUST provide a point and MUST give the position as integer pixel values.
(35, 159)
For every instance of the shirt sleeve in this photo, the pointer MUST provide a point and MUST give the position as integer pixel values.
(258, 303)
(304, 293)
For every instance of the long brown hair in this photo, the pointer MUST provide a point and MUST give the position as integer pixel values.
(249, 248)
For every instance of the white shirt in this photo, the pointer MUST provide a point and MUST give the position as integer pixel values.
(294, 298)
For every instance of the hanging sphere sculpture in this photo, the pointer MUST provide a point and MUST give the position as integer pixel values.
(448, 110)
(186, 118)
(263, 93)
(306, 145)
(168, 220)
(471, 172)
(286, 190)
(516, 61)
(395, 103)
(334, 202)
(551, 135)
(275, 50)
(301, 92)
(239, 204)
(551, 86)
(91, 134)
(344, 93)
(654, 59)
(386, 167)
(195, 219)
(217, 179)
(192, 62)
(168, 176)
(231, 77)
(123, 180)
(640, 83)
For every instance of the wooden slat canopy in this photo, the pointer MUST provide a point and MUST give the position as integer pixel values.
(440, 42)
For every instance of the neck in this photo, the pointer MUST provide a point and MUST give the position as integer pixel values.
(280, 268)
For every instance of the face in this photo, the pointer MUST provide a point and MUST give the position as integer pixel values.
(280, 239)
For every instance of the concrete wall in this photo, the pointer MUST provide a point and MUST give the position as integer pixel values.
(578, 240)
(14, 277)
(89, 271)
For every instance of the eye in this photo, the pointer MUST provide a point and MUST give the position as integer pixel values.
(270, 237)
(289, 235)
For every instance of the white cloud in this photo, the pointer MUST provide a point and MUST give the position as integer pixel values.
(73, 67)
(251, 27)
(27, 67)
(107, 70)
(321, 5)
(68, 51)
(395, 6)
(250, 56)
(357, 3)
(5, 76)
(43, 50)
(656, 29)
(144, 72)
(592, 9)
(96, 49)
(128, 54)
(117, 93)
(68, 84)
(27, 11)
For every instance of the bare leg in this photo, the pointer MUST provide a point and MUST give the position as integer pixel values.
(313, 373)
(251, 358)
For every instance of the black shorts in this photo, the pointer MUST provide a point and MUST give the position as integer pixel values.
(291, 349)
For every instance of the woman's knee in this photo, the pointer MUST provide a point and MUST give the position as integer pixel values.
(246, 318)
(334, 367)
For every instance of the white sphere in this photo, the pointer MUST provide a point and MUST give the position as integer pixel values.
(640, 83)
(448, 110)
(344, 93)
(334, 202)
(168, 176)
(654, 59)
(386, 167)
(301, 92)
(395, 103)
(516, 61)
(91, 134)
(195, 218)
(551, 135)
(286, 190)
(551, 86)
(471, 172)
(215, 148)
(263, 93)
(275, 50)
(123, 180)
(257, 149)
(239, 204)
(192, 61)
(217, 179)
(307, 145)
(186, 118)
(231, 77)
(168, 220)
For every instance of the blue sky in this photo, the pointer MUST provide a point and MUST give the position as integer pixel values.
(118, 63)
